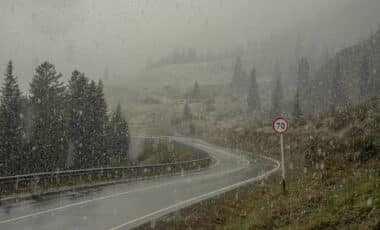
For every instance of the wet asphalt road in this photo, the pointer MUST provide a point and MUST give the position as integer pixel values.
(124, 206)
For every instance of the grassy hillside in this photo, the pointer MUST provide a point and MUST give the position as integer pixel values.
(333, 178)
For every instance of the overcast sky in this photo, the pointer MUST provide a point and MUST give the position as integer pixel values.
(122, 34)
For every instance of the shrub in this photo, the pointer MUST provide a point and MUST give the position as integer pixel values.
(365, 146)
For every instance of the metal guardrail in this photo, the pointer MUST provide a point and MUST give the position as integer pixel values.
(47, 180)
(41, 182)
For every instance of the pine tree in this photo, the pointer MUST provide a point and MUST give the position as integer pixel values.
(93, 130)
(297, 112)
(191, 129)
(97, 121)
(364, 80)
(10, 125)
(118, 138)
(277, 94)
(303, 72)
(237, 75)
(102, 121)
(374, 66)
(324, 57)
(302, 79)
(87, 123)
(78, 116)
(253, 99)
(196, 94)
(337, 85)
(47, 103)
(187, 112)
(26, 161)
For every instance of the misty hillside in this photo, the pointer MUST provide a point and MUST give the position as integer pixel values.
(183, 75)
(190, 114)
(354, 74)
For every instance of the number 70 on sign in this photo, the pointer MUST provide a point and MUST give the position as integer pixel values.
(280, 125)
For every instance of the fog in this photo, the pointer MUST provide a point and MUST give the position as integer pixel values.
(116, 113)
(123, 35)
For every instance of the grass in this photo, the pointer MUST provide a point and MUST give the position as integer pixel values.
(314, 200)
(326, 188)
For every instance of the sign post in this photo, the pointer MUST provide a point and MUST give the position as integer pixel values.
(280, 126)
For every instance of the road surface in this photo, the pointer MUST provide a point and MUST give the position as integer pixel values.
(124, 206)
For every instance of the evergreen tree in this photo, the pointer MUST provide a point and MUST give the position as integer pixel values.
(297, 112)
(302, 80)
(187, 112)
(237, 75)
(303, 73)
(196, 94)
(191, 129)
(364, 80)
(87, 123)
(78, 116)
(102, 121)
(93, 130)
(10, 125)
(337, 85)
(324, 57)
(97, 122)
(240, 80)
(277, 94)
(26, 161)
(118, 138)
(47, 103)
(253, 99)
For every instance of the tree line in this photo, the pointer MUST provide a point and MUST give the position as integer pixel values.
(189, 56)
(351, 77)
(58, 126)
(253, 99)
(335, 95)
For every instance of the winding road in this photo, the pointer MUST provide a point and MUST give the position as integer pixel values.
(124, 206)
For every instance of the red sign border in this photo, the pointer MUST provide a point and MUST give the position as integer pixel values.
(287, 125)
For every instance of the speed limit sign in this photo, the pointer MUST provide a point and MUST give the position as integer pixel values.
(280, 125)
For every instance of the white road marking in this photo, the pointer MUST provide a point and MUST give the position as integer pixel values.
(158, 186)
(198, 198)
(111, 196)
(80, 203)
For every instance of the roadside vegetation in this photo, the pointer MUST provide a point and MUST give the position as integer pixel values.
(163, 151)
(333, 179)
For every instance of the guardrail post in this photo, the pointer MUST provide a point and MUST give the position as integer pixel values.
(16, 186)
(80, 179)
(89, 178)
(35, 183)
(57, 179)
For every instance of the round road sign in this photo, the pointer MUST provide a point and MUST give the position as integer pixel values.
(280, 125)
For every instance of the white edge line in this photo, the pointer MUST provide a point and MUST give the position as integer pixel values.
(151, 187)
(201, 197)
(104, 197)
(80, 203)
